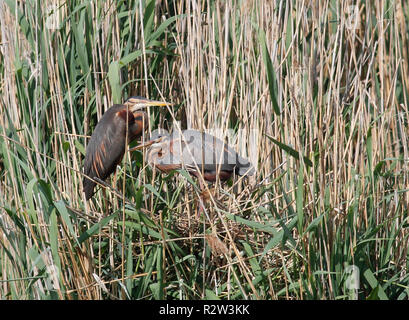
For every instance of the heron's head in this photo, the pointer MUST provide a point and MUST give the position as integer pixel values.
(156, 141)
(137, 103)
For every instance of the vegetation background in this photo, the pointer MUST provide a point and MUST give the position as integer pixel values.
(323, 84)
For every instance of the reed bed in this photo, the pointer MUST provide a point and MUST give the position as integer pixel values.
(313, 93)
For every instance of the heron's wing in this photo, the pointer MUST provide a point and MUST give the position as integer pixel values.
(198, 150)
(226, 157)
(104, 151)
(208, 152)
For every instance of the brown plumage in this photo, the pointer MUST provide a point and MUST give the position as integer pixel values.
(107, 145)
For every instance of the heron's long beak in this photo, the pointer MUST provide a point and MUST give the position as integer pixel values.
(154, 103)
(135, 104)
(144, 145)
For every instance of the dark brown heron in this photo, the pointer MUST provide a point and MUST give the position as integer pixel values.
(106, 147)
(197, 152)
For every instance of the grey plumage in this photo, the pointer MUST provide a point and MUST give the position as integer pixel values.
(201, 149)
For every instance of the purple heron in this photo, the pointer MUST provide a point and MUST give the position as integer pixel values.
(120, 125)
